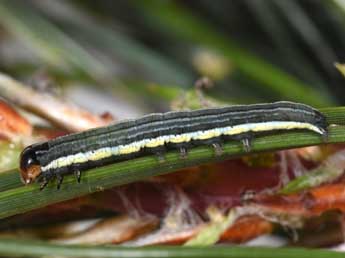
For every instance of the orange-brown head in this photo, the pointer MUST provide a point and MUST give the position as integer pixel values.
(30, 167)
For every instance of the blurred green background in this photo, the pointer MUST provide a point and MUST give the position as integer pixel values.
(142, 53)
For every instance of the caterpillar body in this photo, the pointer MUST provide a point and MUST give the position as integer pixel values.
(156, 133)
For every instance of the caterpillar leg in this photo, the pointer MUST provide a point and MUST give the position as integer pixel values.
(59, 179)
(246, 144)
(77, 175)
(44, 182)
(160, 156)
(44, 179)
(183, 152)
(157, 151)
(217, 148)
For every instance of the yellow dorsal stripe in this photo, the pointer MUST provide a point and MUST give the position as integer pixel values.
(136, 146)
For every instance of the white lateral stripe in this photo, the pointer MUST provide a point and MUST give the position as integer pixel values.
(133, 147)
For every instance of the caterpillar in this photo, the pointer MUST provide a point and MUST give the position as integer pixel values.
(155, 133)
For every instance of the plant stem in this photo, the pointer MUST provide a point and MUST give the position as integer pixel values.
(20, 248)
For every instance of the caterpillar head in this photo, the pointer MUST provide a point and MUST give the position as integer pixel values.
(30, 167)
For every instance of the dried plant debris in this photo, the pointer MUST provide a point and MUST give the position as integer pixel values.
(15, 132)
(59, 112)
(331, 169)
(231, 201)
(13, 126)
(112, 230)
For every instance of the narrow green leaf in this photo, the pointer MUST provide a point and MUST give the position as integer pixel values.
(20, 248)
(280, 35)
(168, 16)
(212, 232)
(312, 179)
(109, 41)
(48, 42)
(329, 170)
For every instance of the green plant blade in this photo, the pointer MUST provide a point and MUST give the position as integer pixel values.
(48, 42)
(19, 248)
(168, 16)
(331, 169)
(211, 234)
